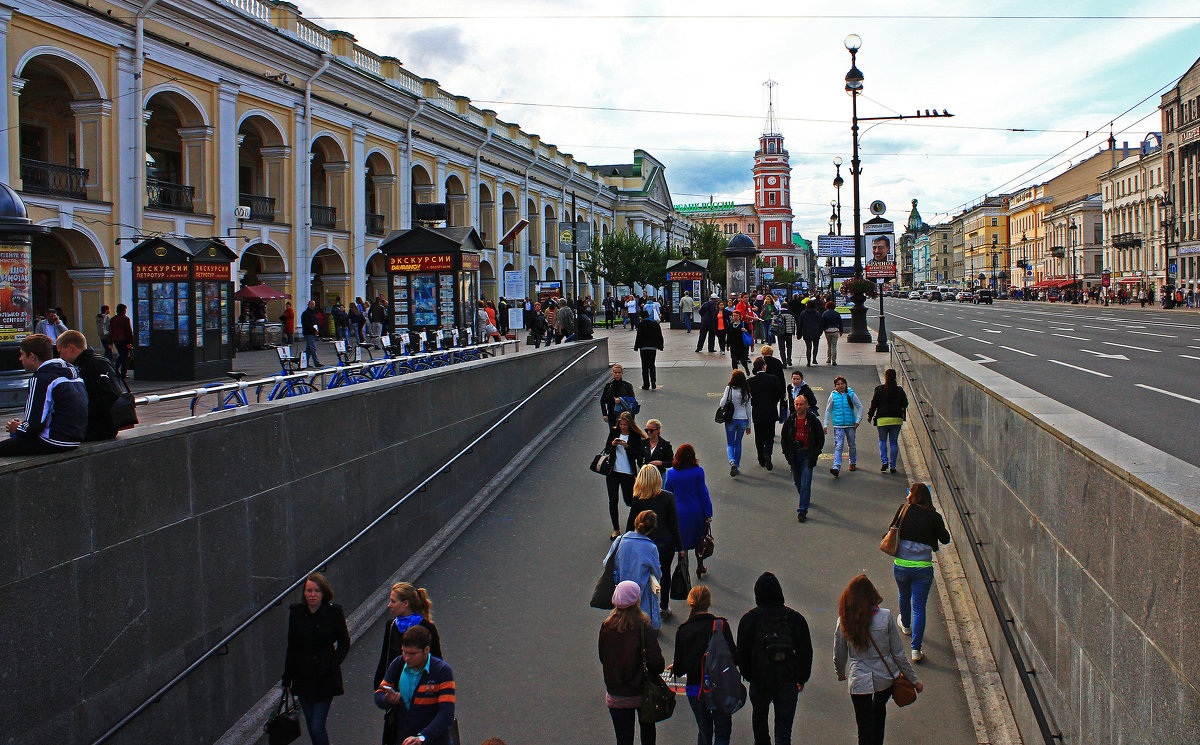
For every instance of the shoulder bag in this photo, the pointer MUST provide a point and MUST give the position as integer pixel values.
(904, 692)
(681, 583)
(603, 591)
(124, 410)
(602, 463)
(284, 725)
(725, 409)
(890, 543)
(706, 546)
(658, 700)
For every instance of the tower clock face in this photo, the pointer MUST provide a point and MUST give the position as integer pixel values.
(771, 180)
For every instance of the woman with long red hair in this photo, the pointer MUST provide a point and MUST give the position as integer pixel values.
(867, 648)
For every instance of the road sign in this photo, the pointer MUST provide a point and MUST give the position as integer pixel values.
(582, 229)
(842, 271)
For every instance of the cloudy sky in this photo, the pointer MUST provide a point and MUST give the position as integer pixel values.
(684, 81)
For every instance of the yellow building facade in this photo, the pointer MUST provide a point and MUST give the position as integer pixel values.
(122, 127)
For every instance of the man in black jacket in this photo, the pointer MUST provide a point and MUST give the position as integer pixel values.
(100, 381)
(310, 327)
(649, 341)
(774, 653)
(766, 395)
(708, 324)
(56, 409)
(802, 440)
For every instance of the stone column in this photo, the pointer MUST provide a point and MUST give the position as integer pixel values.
(385, 200)
(91, 136)
(92, 287)
(336, 173)
(356, 221)
(9, 111)
(195, 142)
(275, 163)
(228, 151)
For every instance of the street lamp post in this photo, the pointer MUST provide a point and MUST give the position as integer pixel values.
(1168, 225)
(995, 255)
(1025, 268)
(854, 84)
(837, 184)
(1074, 228)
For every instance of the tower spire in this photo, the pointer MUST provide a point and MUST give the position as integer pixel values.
(770, 127)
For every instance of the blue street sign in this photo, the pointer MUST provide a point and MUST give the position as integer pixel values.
(1172, 267)
(842, 271)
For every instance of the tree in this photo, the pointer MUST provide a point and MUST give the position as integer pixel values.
(785, 277)
(707, 242)
(624, 258)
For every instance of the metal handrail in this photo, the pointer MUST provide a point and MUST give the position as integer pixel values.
(312, 374)
(998, 606)
(215, 649)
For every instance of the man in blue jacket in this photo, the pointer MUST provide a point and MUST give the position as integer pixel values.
(418, 693)
(56, 411)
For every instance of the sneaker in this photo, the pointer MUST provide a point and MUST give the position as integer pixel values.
(883, 468)
(770, 466)
(916, 655)
(853, 467)
(801, 516)
(893, 470)
(733, 469)
(903, 629)
(834, 471)
(665, 613)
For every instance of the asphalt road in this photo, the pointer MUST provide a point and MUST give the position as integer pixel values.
(1137, 370)
(511, 594)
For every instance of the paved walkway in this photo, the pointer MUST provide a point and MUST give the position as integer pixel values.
(511, 594)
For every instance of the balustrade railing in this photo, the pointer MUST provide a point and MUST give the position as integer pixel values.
(324, 217)
(40, 177)
(262, 208)
(374, 224)
(163, 195)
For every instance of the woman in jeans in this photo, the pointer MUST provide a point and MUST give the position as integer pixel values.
(691, 643)
(888, 409)
(868, 652)
(737, 391)
(317, 645)
(921, 530)
(626, 638)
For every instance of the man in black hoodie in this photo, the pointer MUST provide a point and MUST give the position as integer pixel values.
(774, 653)
(649, 341)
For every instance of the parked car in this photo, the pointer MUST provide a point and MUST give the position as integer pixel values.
(984, 296)
(914, 295)
(964, 297)
(934, 295)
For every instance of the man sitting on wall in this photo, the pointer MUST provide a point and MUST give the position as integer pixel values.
(100, 381)
(56, 410)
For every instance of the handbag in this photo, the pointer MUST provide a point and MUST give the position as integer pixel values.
(724, 413)
(890, 543)
(747, 339)
(658, 700)
(602, 463)
(627, 403)
(284, 725)
(681, 583)
(124, 410)
(904, 692)
(706, 546)
(603, 591)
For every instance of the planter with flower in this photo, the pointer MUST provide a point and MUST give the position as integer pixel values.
(858, 289)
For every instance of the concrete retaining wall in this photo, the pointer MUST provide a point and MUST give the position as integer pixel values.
(122, 562)
(1094, 538)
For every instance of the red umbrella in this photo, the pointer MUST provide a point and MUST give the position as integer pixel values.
(260, 292)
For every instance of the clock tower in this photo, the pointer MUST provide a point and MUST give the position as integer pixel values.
(772, 191)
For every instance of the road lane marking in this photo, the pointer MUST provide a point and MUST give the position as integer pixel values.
(1098, 328)
(1168, 393)
(1060, 328)
(1005, 325)
(1190, 357)
(944, 338)
(1068, 336)
(1018, 351)
(1151, 333)
(983, 359)
(991, 331)
(1193, 346)
(1130, 346)
(981, 341)
(1106, 356)
(922, 323)
(1081, 369)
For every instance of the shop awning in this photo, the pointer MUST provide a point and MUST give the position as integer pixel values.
(1129, 280)
(260, 292)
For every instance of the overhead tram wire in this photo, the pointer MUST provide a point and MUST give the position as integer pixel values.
(674, 17)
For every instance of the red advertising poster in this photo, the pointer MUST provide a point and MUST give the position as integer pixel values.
(470, 261)
(156, 272)
(211, 271)
(15, 263)
(429, 263)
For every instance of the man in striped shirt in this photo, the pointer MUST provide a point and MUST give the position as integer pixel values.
(418, 693)
(56, 410)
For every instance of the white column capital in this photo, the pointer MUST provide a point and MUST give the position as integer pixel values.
(18, 84)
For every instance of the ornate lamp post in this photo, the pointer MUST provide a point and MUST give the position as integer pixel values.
(837, 184)
(1074, 228)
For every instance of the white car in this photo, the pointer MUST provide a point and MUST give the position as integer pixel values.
(914, 295)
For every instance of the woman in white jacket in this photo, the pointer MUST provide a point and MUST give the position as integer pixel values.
(737, 391)
(868, 641)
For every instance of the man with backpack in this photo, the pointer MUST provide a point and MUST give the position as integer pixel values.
(704, 653)
(100, 381)
(774, 653)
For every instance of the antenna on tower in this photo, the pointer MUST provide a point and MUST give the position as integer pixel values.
(770, 127)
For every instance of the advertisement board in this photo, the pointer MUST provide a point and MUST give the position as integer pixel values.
(835, 245)
(15, 263)
(428, 263)
(879, 248)
(514, 285)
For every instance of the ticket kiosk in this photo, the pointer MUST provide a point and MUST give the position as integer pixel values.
(433, 280)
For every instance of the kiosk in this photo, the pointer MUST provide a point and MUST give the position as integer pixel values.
(16, 296)
(685, 277)
(433, 279)
(182, 308)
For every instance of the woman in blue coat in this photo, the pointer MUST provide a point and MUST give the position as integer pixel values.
(685, 479)
(638, 561)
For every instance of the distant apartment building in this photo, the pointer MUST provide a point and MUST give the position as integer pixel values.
(1132, 195)
(1180, 108)
(985, 243)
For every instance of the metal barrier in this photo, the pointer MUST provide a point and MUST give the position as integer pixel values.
(1025, 673)
(309, 376)
(220, 645)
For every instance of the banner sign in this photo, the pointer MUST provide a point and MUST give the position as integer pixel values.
(514, 285)
(879, 248)
(565, 232)
(211, 271)
(470, 261)
(835, 245)
(430, 263)
(880, 270)
(685, 275)
(842, 271)
(155, 272)
(15, 268)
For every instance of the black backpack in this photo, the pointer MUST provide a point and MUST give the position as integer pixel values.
(774, 650)
(721, 690)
